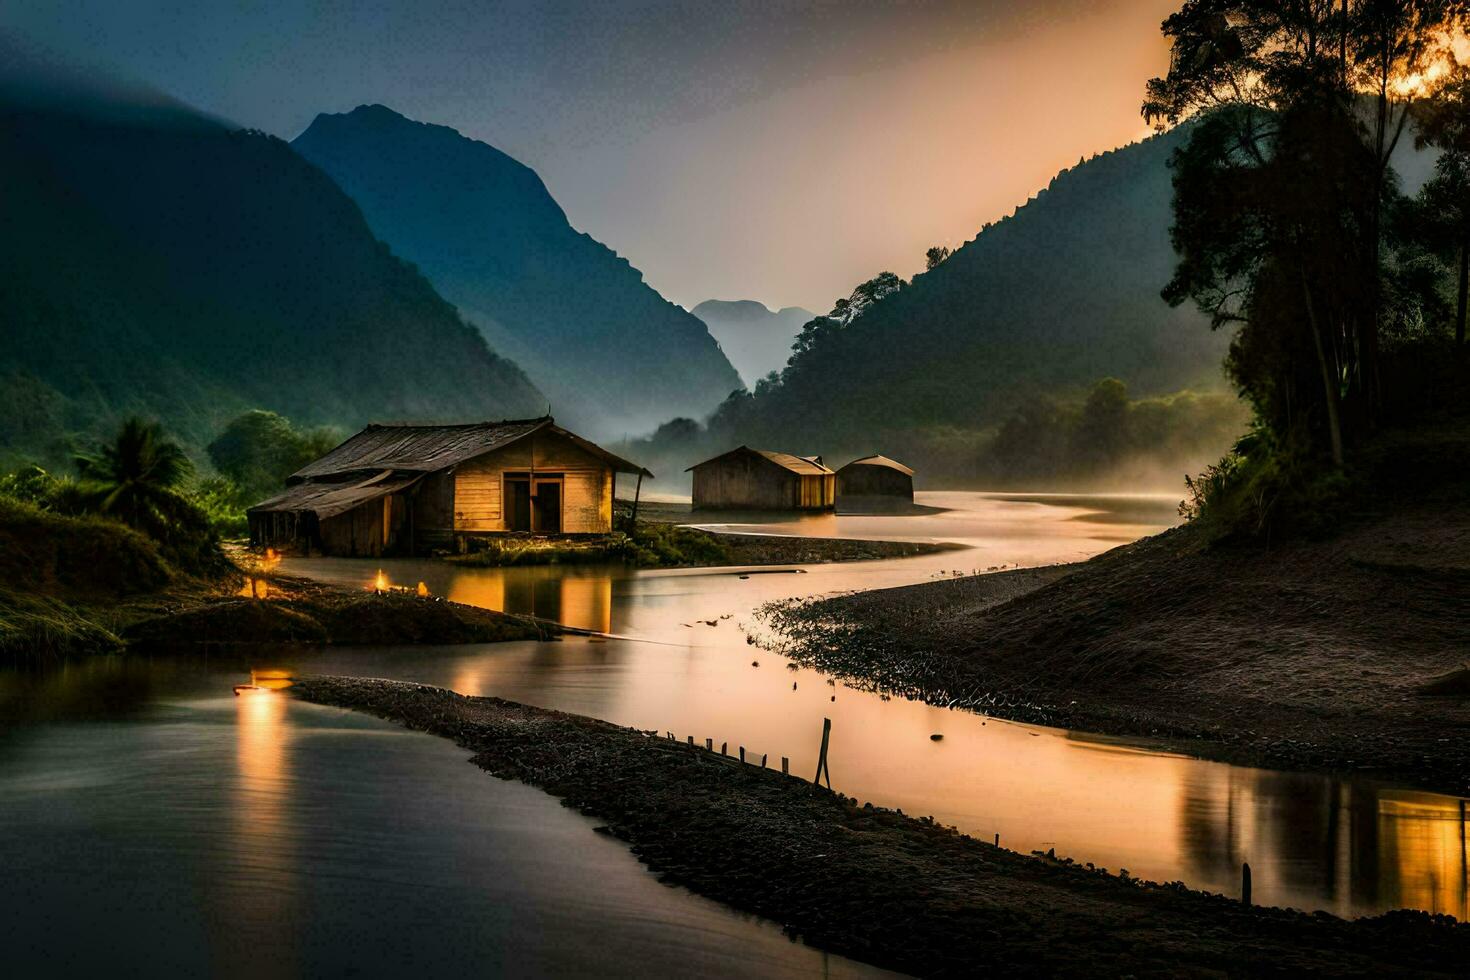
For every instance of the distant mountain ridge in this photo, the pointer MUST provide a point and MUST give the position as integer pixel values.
(156, 261)
(1061, 293)
(756, 339)
(613, 355)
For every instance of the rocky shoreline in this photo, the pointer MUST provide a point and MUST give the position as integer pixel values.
(1345, 655)
(877, 885)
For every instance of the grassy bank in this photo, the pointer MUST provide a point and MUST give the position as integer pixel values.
(77, 586)
(302, 612)
(879, 886)
(657, 544)
(1343, 653)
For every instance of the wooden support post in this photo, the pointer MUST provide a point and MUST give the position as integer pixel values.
(822, 756)
(997, 840)
(709, 744)
(785, 766)
(742, 753)
(724, 748)
(1245, 885)
(763, 759)
(691, 741)
(637, 491)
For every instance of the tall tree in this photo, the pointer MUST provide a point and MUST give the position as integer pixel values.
(1281, 189)
(1444, 124)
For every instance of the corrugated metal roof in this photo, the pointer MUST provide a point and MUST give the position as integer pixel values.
(891, 464)
(796, 464)
(429, 448)
(330, 499)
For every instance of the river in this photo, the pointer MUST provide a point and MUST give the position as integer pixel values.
(147, 808)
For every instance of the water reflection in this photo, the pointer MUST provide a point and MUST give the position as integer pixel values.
(207, 833)
(1356, 846)
(677, 664)
(260, 897)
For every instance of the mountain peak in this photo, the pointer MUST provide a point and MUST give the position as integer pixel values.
(485, 229)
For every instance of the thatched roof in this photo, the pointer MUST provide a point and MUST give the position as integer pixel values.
(430, 448)
(883, 461)
(330, 499)
(802, 465)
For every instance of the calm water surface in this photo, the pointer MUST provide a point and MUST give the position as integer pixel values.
(152, 822)
(1316, 842)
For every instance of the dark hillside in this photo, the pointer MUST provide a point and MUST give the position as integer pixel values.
(161, 263)
(613, 354)
(1061, 293)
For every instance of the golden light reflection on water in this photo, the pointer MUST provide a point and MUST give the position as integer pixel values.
(257, 889)
(578, 598)
(680, 662)
(1423, 838)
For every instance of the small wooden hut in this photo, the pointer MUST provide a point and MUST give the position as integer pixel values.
(409, 489)
(875, 478)
(758, 479)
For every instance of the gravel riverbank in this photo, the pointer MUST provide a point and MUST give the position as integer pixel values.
(1345, 655)
(880, 886)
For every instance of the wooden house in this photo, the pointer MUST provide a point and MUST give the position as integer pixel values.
(758, 479)
(409, 489)
(875, 479)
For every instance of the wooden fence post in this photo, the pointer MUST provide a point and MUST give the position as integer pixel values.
(742, 753)
(822, 756)
(1245, 884)
(785, 766)
(709, 745)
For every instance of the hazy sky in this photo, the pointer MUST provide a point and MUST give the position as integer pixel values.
(764, 149)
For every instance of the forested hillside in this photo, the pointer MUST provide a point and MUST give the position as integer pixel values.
(1061, 293)
(1018, 324)
(155, 261)
(613, 355)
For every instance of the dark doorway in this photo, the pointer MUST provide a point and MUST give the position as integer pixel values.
(547, 513)
(518, 505)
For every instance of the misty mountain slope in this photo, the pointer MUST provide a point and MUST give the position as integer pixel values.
(1060, 294)
(757, 340)
(158, 262)
(612, 353)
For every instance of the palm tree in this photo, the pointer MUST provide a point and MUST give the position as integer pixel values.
(137, 477)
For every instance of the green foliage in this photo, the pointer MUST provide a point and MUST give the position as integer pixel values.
(1100, 437)
(1109, 433)
(172, 268)
(670, 546)
(139, 479)
(259, 449)
(651, 545)
(1263, 490)
(36, 629)
(79, 558)
(223, 505)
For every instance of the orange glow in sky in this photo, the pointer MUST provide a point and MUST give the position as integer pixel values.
(795, 198)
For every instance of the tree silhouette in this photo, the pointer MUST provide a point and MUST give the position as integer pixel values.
(1444, 124)
(258, 450)
(137, 477)
(1280, 192)
(936, 255)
